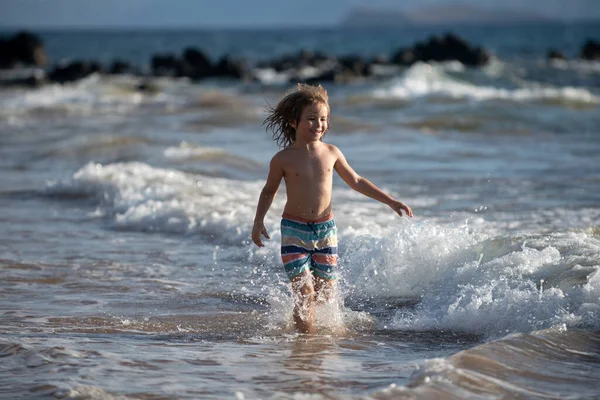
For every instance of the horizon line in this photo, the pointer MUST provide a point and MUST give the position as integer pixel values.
(402, 24)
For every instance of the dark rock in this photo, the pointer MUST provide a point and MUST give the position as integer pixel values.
(338, 75)
(554, 54)
(195, 64)
(8, 59)
(353, 65)
(196, 58)
(404, 57)
(590, 50)
(301, 59)
(119, 67)
(380, 59)
(74, 71)
(23, 49)
(226, 67)
(446, 48)
(326, 76)
(286, 63)
(164, 65)
(479, 57)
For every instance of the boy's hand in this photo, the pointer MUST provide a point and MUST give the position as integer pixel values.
(257, 230)
(398, 206)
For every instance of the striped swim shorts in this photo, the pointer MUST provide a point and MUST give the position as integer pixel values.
(309, 245)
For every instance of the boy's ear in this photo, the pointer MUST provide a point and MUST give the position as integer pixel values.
(293, 124)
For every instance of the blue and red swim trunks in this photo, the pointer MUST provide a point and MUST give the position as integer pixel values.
(309, 245)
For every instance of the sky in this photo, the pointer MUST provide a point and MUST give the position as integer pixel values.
(236, 13)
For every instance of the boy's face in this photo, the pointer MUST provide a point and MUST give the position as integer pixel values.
(313, 123)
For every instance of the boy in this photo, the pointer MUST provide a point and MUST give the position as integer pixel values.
(308, 231)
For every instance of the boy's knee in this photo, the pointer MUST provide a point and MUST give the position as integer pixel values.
(307, 290)
(303, 285)
(304, 289)
(321, 283)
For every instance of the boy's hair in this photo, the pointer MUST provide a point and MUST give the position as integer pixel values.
(290, 109)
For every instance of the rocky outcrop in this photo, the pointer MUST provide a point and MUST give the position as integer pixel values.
(23, 49)
(193, 63)
(120, 67)
(590, 50)
(554, 54)
(227, 67)
(164, 65)
(26, 50)
(446, 48)
(74, 71)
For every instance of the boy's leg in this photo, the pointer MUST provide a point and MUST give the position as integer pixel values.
(304, 309)
(324, 261)
(324, 289)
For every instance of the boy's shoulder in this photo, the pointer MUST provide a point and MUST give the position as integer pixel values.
(280, 157)
(281, 153)
(331, 147)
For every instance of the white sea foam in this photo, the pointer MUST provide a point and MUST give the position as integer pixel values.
(471, 284)
(137, 196)
(187, 151)
(422, 80)
(92, 95)
(88, 392)
(470, 278)
(464, 278)
(583, 66)
(271, 76)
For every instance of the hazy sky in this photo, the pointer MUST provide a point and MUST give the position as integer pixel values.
(231, 13)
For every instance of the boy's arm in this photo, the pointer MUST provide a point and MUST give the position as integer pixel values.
(265, 200)
(366, 187)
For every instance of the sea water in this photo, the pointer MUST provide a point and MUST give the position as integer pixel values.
(128, 269)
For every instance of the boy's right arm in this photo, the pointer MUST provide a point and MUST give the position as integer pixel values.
(265, 200)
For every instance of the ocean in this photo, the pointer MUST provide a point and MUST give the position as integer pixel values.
(127, 269)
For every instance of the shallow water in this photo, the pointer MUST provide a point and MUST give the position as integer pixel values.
(127, 269)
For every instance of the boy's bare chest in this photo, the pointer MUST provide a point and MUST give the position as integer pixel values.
(309, 167)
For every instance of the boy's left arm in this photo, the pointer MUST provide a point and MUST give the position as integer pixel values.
(366, 187)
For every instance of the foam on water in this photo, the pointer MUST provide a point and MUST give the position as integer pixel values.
(486, 286)
(582, 66)
(136, 196)
(450, 277)
(90, 96)
(423, 80)
(463, 278)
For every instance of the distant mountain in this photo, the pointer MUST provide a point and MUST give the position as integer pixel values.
(466, 13)
(460, 13)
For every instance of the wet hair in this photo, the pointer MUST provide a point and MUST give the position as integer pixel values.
(290, 109)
